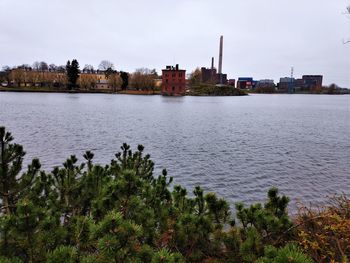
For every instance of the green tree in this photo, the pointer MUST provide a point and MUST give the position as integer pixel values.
(109, 72)
(125, 78)
(12, 183)
(72, 70)
(290, 253)
(122, 212)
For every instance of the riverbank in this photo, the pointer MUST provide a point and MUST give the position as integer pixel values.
(58, 90)
(215, 90)
(195, 91)
(338, 92)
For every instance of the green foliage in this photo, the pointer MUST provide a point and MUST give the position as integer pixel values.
(290, 253)
(10, 260)
(125, 78)
(215, 90)
(164, 256)
(271, 220)
(62, 254)
(121, 212)
(73, 71)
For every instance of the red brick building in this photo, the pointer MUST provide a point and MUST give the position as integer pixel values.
(173, 81)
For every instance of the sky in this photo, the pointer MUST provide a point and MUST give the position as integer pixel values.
(262, 38)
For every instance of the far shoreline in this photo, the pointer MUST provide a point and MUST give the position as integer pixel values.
(143, 92)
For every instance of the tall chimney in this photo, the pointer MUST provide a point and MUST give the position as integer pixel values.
(220, 54)
(212, 69)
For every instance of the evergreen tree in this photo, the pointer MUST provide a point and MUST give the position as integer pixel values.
(125, 78)
(12, 183)
(72, 70)
(121, 212)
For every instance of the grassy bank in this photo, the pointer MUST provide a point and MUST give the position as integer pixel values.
(213, 90)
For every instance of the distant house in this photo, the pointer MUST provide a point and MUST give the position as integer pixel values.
(312, 82)
(209, 75)
(286, 84)
(102, 85)
(232, 82)
(265, 85)
(173, 81)
(245, 83)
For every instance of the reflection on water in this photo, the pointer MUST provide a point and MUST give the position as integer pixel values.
(235, 146)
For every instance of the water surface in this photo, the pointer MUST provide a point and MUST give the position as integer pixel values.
(236, 146)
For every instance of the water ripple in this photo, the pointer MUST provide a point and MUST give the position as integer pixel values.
(238, 147)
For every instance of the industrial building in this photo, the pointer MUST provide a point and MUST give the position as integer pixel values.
(308, 83)
(312, 82)
(173, 81)
(286, 85)
(210, 75)
(245, 83)
(265, 86)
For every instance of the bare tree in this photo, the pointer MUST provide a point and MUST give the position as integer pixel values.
(105, 64)
(32, 77)
(6, 68)
(347, 13)
(143, 79)
(61, 69)
(36, 65)
(196, 77)
(52, 67)
(25, 67)
(115, 81)
(88, 68)
(43, 66)
(61, 80)
(87, 81)
(17, 76)
(144, 71)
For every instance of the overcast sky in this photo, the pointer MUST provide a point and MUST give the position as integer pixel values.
(262, 38)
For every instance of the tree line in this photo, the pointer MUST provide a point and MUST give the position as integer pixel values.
(122, 212)
(70, 76)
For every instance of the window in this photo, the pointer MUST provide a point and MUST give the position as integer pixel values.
(173, 89)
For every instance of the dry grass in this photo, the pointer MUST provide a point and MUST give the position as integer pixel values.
(324, 232)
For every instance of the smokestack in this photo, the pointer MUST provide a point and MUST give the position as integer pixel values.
(220, 54)
(212, 63)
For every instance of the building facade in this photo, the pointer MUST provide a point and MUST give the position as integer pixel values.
(173, 81)
(245, 83)
(208, 75)
(286, 85)
(312, 83)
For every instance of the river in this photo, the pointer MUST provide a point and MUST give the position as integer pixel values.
(236, 146)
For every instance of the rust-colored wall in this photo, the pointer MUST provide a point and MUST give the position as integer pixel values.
(173, 82)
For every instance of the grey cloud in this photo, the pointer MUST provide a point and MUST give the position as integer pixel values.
(262, 39)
